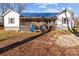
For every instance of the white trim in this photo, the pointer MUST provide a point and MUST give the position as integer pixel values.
(9, 10)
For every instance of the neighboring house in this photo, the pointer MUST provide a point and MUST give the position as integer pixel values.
(65, 20)
(37, 21)
(11, 20)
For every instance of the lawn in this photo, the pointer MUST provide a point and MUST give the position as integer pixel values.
(58, 42)
(12, 34)
(3, 36)
(53, 43)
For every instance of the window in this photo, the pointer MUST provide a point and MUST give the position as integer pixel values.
(11, 20)
(64, 20)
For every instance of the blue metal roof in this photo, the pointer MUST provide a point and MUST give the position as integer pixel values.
(39, 14)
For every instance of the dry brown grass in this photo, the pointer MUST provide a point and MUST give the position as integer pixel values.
(77, 25)
(10, 37)
(41, 46)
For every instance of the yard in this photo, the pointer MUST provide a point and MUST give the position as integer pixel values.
(10, 37)
(52, 43)
(6, 35)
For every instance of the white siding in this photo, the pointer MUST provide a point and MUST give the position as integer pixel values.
(9, 26)
(61, 25)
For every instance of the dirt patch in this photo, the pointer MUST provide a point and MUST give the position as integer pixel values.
(46, 45)
(67, 40)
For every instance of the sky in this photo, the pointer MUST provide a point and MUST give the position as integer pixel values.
(51, 7)
(48, 7)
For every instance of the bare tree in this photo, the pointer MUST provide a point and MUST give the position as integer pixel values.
(6, 6)
(21, 7)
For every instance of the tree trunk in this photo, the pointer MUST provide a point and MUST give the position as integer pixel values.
(67, 20)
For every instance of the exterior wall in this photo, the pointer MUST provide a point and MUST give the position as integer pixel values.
(59, 22)
(61, 25)
(14, 26)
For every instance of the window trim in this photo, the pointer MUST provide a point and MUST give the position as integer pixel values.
(64, 20)
(11, 20)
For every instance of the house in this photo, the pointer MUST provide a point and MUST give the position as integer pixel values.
(31, 22)
(11, 20)
(65, 20)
